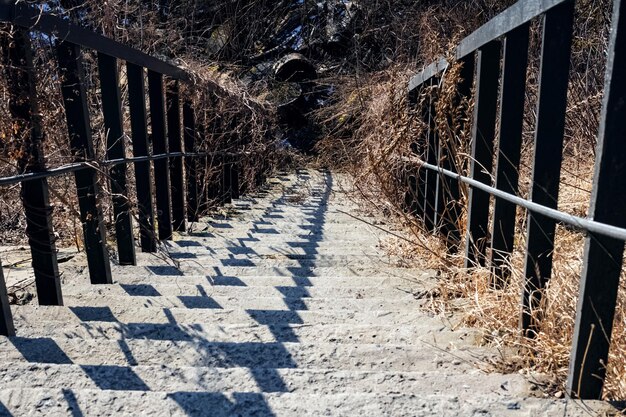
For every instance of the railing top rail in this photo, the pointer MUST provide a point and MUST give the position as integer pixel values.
(515, 16)
(77, 166)
(35, 19)
(427, 73)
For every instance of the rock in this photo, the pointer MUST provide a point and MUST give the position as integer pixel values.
(513, 406)
(294, 67)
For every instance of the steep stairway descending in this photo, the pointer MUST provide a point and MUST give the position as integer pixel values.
(285, 307)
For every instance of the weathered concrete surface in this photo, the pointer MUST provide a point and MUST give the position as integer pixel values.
(288, 306)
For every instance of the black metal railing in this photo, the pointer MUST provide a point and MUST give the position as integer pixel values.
(172, 147)
(494, 62)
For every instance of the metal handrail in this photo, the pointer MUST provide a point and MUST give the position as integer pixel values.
(35, 19)
(77, 166)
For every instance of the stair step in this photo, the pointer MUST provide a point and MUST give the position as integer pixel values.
(342, 236)
(321, 228)
(200, 353)
(32, 315)
(166, 275)
(110, 403)
(192, 268)
(297, 251)
(182, 288)
(259, 380)
(273, 236)
(284, 261)
(282, 218)
(249, 333)
(293, 250)
(205, 301)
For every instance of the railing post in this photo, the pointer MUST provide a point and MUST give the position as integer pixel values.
(603, 257)
(159, 147)
(464, 90)
(410, 195)
(481, 164)
(143, 180)
(226, 160)
(548, 146)
(420, 192)
(191, 162)
(6, 318)
(79, 129)
(449, 209)
(417, 186)
(205, 177)
(245, 162)
(432, 147)
(18, 64)
(215, 180)
(236, 164)
(176, 162)
(509, 146)
(112, 110)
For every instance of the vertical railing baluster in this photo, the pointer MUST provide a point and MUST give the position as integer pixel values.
(160, 147)
(226, 160)
(204, 175)
(603, 256)
(432, 146)
(420, 192)
(7, 327)
(112, 110)
(215, 180)
(227, 183)
(414, 200)
(417, 150)
(466, 82)
(548, 148)
(176, 162)
(410, 201)
(213, 170)
(481, 164)
(440, 192)
(81, 143)
(191, 162)
(236, 164)
(18, 64)
(143, 177)
(246, 161)
(449, 217)
(509, 146)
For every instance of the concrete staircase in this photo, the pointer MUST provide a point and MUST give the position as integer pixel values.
(286, 307)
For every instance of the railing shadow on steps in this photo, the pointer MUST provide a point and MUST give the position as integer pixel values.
(494, 62)
(263, 359)
(175, 153)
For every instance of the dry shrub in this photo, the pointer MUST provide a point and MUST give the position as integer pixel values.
(371, 112)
